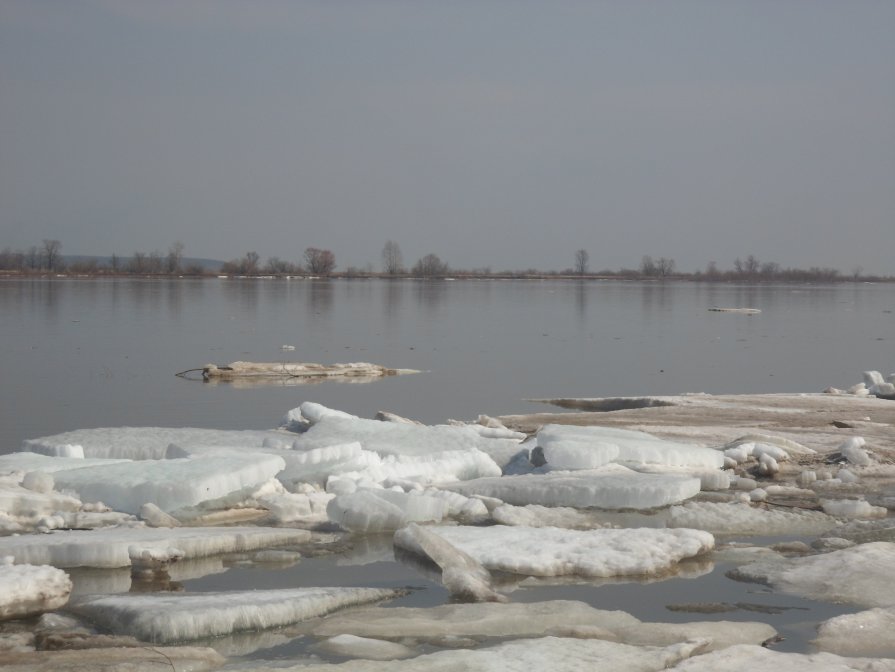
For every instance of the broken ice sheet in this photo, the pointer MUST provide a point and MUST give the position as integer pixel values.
(165, 618)
(761, 659)
(547, 653)
(863, 575)
(742, 518)
(866, 633)
(562, 618)
(116, 547)
(550, 551)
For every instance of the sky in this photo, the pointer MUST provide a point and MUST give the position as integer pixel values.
(502, 134)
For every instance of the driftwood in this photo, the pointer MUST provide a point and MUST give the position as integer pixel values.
(242, 370)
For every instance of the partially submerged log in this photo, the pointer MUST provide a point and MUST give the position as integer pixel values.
(237, 370)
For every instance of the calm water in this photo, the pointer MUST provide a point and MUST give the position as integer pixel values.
(85, 353)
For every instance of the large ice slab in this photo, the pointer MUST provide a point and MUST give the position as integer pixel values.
(117, 547)
(611, 487)
(165, 618)
(146, 443)
(866, 633)
(742, 518)
(130, 659)
(29, 589)
(393, 438)
(545, 653)
(761, 659)
(25, 461)
(550, 551)
(573, 447)
(862, 575)
(171, 484)
(557, 617)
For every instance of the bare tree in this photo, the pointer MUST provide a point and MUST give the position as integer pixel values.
(114, 263)
(581, 260)
(319, 262)
(664, 267)
(430, 266)
(392, 259)
(250, 263)
(175, 258)
(137, 263)
(647, 266)
(51, 253)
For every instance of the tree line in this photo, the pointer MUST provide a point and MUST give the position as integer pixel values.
(47, 258)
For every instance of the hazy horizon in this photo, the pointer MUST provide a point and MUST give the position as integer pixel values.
(495, 133)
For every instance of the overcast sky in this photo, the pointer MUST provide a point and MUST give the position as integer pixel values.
(493, 133)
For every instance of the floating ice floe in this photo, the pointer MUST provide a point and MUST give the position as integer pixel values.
(172, 484)
(147, 443)
(610, 487)
(30, 589)
(571, 447)
(862, 575)
(741, 518)
(561, 618)
(760, 659)
(550, 551)
(131, 659)
(327, 428)
(119, 547)
(163, 618)
(548, 653)
(866, 633)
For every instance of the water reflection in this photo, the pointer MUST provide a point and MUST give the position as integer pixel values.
(320, 297)
(393, 299)
(430, 294)
(243, 294)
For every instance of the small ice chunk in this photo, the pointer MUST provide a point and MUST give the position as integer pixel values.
(534, 515)
(853, 452)
(853, 508)
(847, 476)
(30, 589)
(162, 618)
(872, 378)
(550, 551)
(352, 646)
(38, 481)
(806, 478)
(155, 517)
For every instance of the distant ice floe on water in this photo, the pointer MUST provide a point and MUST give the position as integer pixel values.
(478, 507)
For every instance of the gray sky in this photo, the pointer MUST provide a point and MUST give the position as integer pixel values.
(503, 134)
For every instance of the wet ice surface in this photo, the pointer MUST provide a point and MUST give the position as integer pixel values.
(618, 538)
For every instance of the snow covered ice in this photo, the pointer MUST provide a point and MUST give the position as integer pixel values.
(164, 618)
(29, 589)
(550, 551)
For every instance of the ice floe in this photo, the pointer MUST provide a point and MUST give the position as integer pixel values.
(866, 633)
(371, 510)
(740, 518)
(131, 659)
(863, 575)
(363, 647)
(550, 551)
(760, 659)
(610, 487)
(172, 484)
(548, 653)
(29, 589)
(118, 547)
(164, 618)
(562, 618)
